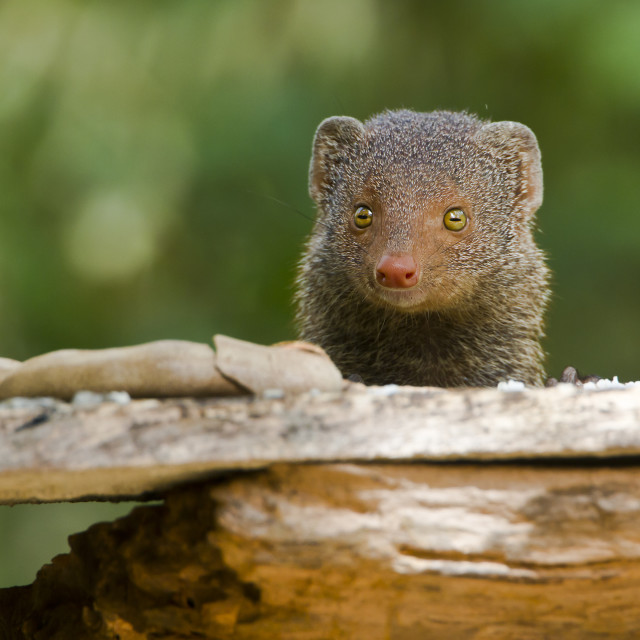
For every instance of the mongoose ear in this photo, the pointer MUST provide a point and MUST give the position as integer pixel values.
(333, 137)
(517, 144)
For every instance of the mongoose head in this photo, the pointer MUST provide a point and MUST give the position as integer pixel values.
(424, 207)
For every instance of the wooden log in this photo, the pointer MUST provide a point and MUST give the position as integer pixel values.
(374, 513)
(58, 451)
(376, 552)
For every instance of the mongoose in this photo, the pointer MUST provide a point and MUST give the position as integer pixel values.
(421, 268)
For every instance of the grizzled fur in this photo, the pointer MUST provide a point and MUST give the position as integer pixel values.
(475, 316)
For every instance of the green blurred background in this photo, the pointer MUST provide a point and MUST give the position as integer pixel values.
(142, 145)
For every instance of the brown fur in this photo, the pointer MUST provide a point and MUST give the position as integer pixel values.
(475, 316)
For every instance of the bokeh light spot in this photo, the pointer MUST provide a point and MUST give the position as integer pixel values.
(111, 238)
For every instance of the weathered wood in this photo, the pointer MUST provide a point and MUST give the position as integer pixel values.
(59, 451)
(375, 552)
(496, 515)
(168, 368)
(156, 369)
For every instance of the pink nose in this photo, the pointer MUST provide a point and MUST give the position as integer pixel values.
(397, 272)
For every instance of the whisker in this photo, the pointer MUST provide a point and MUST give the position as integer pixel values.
(443, 251)
(315, 219)
(283, 204)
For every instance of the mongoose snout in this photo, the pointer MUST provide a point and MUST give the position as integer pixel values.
(397, 272)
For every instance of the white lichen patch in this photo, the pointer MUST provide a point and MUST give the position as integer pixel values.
(511, 385)
(614, 383)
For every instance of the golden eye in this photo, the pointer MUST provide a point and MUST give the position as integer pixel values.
(455, 219)
(363, 217)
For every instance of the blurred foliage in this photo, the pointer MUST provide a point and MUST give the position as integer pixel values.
(146, 147)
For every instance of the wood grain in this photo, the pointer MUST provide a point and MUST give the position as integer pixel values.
(60, 451)
(375, 552)
(372, 513)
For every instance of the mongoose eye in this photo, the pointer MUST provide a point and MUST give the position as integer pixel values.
(363, 217)
(455, 219)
